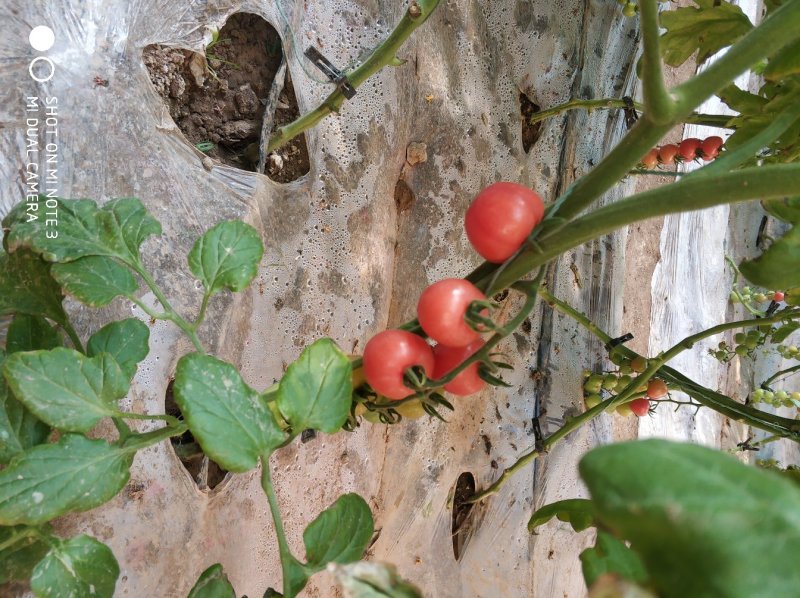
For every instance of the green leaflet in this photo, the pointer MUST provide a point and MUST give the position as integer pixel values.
(703, 523)
(127, 341)
(66, 389)
(227, 417)
(80, 566)
(95, 280)
(316, 390)
(708, 28)
(212, 583)
(75, 474)
(226, 256)
(27, 287)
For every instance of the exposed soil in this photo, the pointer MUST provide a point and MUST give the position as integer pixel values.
(218, 99)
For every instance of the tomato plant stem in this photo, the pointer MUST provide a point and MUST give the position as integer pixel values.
(776, 375)
(287, 559)
(659, 105)
(137, 442)
(384, 55)
(73, 336)
(26, 532)
(170, 420)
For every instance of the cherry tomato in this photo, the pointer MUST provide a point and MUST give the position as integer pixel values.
(650, 159)
(500, 218)
(441, 309)
(638, 364)
(778, 296)
(709, 148)
(656, 389)
(687, 150)
(640, 407)
(447, 358)
(667, 153)
(387, 356)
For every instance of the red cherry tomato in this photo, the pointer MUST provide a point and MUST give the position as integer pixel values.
(656, 389)
(779, 296)
(650, 159)
(387, 356)
(640, 407)
(500, 218)
(447, 358)
(709, 148)
(441, 309)
(687, 150)
(667, 153)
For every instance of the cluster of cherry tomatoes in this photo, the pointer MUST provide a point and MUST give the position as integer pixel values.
(615, 382)
(687, 151)
(453, 312)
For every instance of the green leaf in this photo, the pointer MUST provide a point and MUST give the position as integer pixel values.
(708, 28)
(28, 333)
(792, 296)
(340, 534)
(18, 560)
(212, 583)
(316, 390)
(78, 567)
(610, 555)
(703, 523)
(66, 389)
(115, 230)
(779, 266)
(227, 417)
(782, 333)
(19, 429)
(95, 280)
(740, 100)
(75, 474)
(127, 341)
(373, 580)
(227, 255)
(786, 209)
(784, 64)
(27, 287)
(576, 511)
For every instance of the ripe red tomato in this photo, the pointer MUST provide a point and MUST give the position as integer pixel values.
(500, 218)
(387, 356)
(709, 148)
(447, 358)
(640, 407)
(650, 159)
(687, 150)
(779, 296)
(441, 310)
(667, 153)
(656, 389)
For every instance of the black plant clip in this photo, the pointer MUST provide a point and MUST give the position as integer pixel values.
(331, 72)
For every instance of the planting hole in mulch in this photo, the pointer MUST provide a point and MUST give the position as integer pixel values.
(530, 132)
(206, 473)
(462, 526)
(218, 100)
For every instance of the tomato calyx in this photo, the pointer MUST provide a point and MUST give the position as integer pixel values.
(476, 318)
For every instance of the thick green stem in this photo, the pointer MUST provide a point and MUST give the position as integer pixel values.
(417, 13)
(137, 442)
(202, 313)
(287, 558)
(17, 536)
(659, 105)
(685, 195)
(168, 419)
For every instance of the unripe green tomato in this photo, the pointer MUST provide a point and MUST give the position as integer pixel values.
(616, 357)
(629, 10)
(592, 401)
(741, 350)
(768, 395)
(739, 337)
(585, 374)
(624, 410)
(751, 344)
(757, 395)
(733, 297)
(593, 383)
(411, 410)
(625, 370)
(759, 297)
(622, 382)
(609, 381)
(792, 350)
(795, 396)
(638, 364)
(781, 395)
(721, 355)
